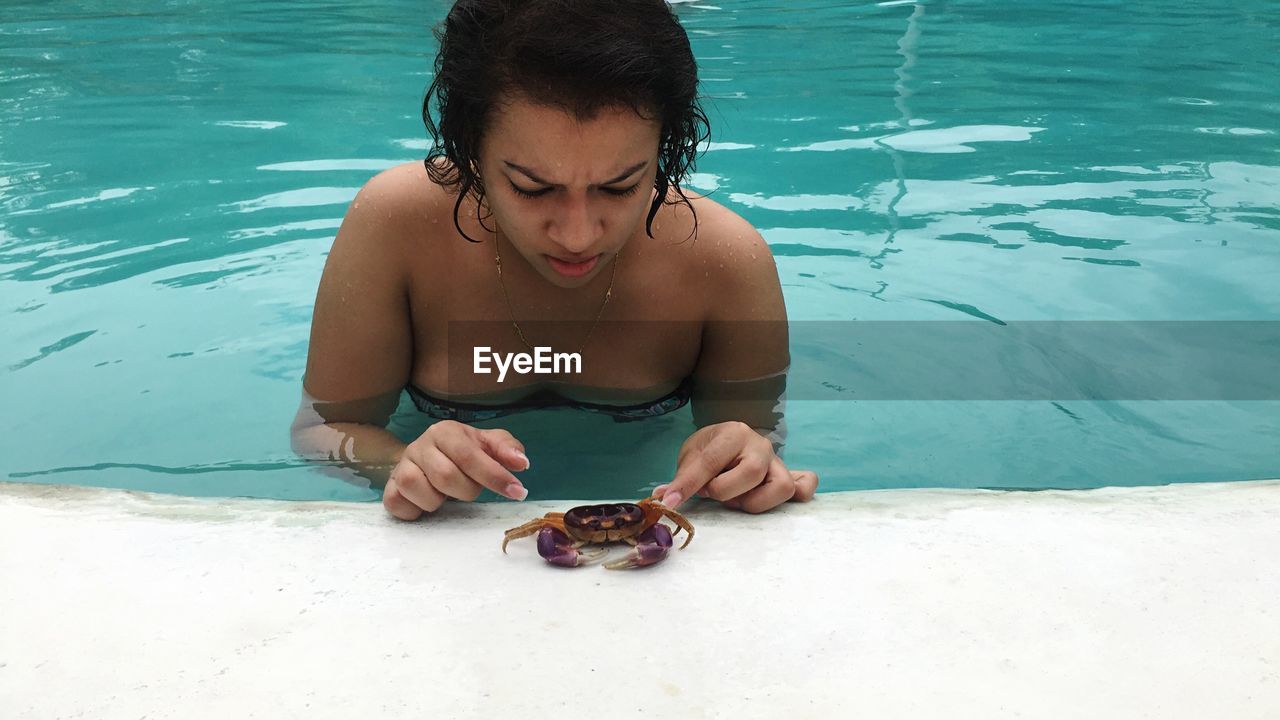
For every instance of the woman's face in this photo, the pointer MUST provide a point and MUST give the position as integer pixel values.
(568, 193)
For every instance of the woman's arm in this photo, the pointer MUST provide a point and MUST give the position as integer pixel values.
(354, 441)
(740, 379)
(361, 346)
(741, 371)
(361, 357)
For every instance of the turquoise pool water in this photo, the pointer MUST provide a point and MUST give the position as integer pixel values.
(172, 174)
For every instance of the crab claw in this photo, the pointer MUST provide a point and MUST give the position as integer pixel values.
(651, 548)
(557, 548)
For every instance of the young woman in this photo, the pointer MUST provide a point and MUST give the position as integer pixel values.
(550, 213)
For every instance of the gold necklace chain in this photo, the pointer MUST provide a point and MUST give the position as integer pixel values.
(608, 293)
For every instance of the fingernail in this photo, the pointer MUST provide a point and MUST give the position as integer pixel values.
(516, 491)
(522, 456)
(672, 499)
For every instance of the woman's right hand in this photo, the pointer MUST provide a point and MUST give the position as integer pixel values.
(453, 460)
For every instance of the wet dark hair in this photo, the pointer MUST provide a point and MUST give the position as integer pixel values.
(580, 56)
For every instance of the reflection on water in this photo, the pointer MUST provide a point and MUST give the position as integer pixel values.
(171, 177)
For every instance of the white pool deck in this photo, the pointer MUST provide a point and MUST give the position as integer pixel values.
(1152, 602)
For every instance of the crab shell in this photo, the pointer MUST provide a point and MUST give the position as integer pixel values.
(613, 521)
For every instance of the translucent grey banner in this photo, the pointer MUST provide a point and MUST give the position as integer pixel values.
(1051, 360)
(943, 360)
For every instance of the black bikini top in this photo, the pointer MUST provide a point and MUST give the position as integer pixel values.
(473, 412)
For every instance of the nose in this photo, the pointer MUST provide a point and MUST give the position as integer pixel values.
(576, 226)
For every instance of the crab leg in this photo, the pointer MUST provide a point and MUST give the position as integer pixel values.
(558, 548)
(681, 524)
(552, 519)
(651, 548)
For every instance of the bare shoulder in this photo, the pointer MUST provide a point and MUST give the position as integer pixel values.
(730, 259)
(400, 198)
(401, 219)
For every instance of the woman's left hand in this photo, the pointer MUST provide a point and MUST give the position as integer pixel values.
(734, 464)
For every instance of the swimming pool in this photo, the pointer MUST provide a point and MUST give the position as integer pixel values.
(171, 178)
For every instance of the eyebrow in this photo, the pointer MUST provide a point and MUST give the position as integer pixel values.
(534, 177)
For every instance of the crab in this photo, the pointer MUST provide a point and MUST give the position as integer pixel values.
(562, 534)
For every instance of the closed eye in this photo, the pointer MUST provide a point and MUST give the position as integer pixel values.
(616, 192)
(622, 192)
(528, 193)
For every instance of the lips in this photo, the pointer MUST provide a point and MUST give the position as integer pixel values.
(572, 269)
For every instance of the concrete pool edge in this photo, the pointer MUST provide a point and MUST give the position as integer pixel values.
(1113, 602)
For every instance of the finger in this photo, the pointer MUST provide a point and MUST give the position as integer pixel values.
(408, 494)
(698, 467)
(413, 486)
(505, 448)
(806, 484)
(472, 459)
(397, 505)
(446, 477)
(777, 488)
(750, 472)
